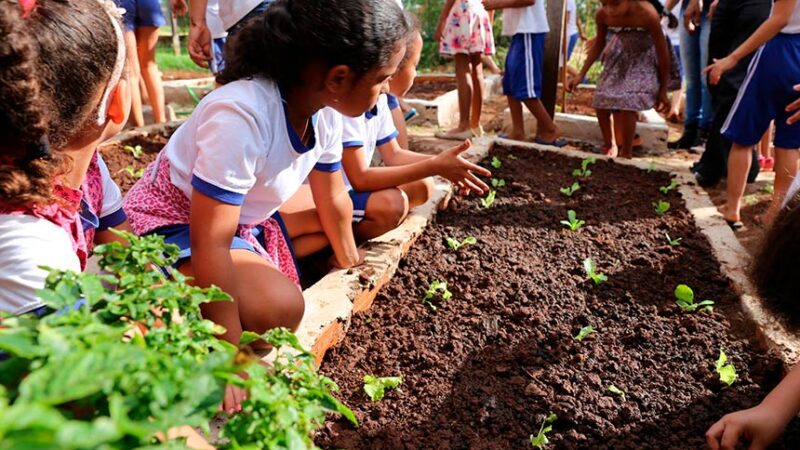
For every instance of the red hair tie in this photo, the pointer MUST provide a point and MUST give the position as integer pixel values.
(27, 6)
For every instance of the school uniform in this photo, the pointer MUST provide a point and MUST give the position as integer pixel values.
(525, 60)
(141, 13)
(368, 131)
(767, 89)
(238, 148)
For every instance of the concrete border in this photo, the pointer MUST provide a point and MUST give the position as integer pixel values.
(443, 110)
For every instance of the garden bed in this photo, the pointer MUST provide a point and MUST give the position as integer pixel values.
(431, 90)
(485, 369)
(126, 162)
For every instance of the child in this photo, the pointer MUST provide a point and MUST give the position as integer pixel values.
(574, 32)
(62, 95)
(636, 68)
(775, 277)
(526, 22)
(216, 187)
(761, 99)
(465, 32)
(383, 196)
(670, 26)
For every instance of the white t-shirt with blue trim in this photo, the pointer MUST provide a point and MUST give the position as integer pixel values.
(369, 130)
(239, 148)
(528, 19)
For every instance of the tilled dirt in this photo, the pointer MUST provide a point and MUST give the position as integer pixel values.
(119, 159)
(430, 90)
(484, 370)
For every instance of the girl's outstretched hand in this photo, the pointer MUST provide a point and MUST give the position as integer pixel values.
(234, 396)
(760, 426)
(663, 104)
(794, 106)
(720, 66)
(450, 165)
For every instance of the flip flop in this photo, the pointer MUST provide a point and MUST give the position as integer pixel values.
(560, 142)
(736, 225)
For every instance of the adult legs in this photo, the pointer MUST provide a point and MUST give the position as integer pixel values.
(146, 40)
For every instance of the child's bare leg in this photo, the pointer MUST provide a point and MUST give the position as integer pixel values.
(302, 222)
(491, 66)
(147, 39)
(477, 91)
(546, 128)
(517, 121)
(385, 210)
(785, 172)
(738, 166)
(606, 127)
(418, 192)
(132, 63)
(464, 83)
(625, 122)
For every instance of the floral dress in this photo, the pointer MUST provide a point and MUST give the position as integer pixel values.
(467, 30)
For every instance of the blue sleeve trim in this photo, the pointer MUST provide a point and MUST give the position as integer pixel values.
(328, 167)
(349, 144)
(392, 101)
(388, 138)
(217, 193)
(112, 220)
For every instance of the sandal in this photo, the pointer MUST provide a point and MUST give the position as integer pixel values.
(560, 142)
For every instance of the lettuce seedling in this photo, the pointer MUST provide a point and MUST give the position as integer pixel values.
(661, 207)
(651, 166)
(540, 440)
(512, 157)
(455, 245)
(569, 190)
(496, 163)
(135, 151)
(591, 272)
(768, 189)
(666, 189)
(376, 387)
(572, 222)
(725, 370)
(617, 391)
(134, 173)
(685, 300)
(584, 333)
(498, 183)
(488, 201)
(584, 171)
(673, 242)
(434, 290)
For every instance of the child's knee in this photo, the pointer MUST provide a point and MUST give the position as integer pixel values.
(393, 209)
(290, 308)
(426, 188)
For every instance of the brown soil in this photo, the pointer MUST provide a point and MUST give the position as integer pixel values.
(484, 370)
(118, 159)
(430, 90)
(184, 74)
(578, 102)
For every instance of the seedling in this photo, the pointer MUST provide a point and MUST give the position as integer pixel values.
(725, 370)
(436, 288)
(651, 166)
(685, 300)
(584, 333)
(455, 245)
(135, 151)
(617, 391)
(488, 201)
(496, 163)
(661, 207)
(512, 157)
(134, 173)
(376, 387)
(498, 183)
(569, 190)
(584, 171)
(572, 222)
(591, 271)
(768, 189)
(666, 189)
(540, 440)
(673, 242)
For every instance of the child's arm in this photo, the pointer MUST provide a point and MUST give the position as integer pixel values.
(448, 5)
(781, 12)
(763, 423)
(395, 154)
(199, 34)
(596, 47)
(581, 30)
(336, 215)
(106, 236)
(501, 4)
(662, 52)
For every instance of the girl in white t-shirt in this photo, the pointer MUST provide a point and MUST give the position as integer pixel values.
(62, 95)
(216, 187)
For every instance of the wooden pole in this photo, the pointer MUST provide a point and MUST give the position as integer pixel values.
(564, 56)
(556, 9)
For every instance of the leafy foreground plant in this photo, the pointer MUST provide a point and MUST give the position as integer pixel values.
(436, 289)
(455, 245)
(617, 391)
(488, 201)
(540, 440)
(591, 271)
(725, 370)
(135, 151)
(685, 300)
(661, 207)
(496, 163)
(666, 189)
(569, 190)
(376, 387)
(136, 359)
(584, 333)
(673, 242)
(498, 183)
(572, 222)
(584, 171)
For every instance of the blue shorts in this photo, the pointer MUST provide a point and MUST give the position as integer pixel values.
(392, 101)
(573, 41)
(218, 57)
(359, 205)
(141, 13)
(765, 93)
(524, 63)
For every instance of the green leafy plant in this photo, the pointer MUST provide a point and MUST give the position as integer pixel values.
(455, 244)
(569, 190)
(661, 207)
(496, 163)
(376, 387)
(584, 333)
(540, 439)
(685, 300)
(135, 151)
(572, 222)
(725, 370)
(584, 171)
(617, 391)
(768, 188)
(512, 157)
(673, 242)
(488, 201)
(670, 187)
(498, 183)
(437, 289)
(130, 170)
(651, 166)
(591, 271)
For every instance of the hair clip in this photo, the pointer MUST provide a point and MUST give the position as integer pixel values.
(27, 6)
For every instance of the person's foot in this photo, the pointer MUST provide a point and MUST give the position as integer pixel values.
(551, 135)
(512, 136)
(687, 141)
(478, 131)
(456, 134)
(705, 180)
(611, 151)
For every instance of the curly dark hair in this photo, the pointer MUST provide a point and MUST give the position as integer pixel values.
(280, 45)
(54, 64)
